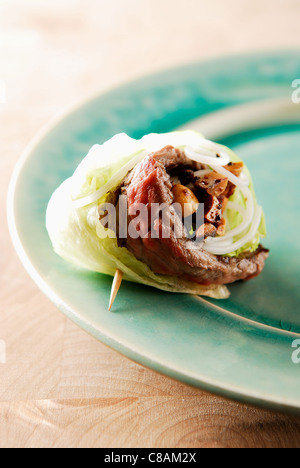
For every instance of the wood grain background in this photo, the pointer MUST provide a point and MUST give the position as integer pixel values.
(60, 387)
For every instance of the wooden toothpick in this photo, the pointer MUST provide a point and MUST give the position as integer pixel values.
(115, 287)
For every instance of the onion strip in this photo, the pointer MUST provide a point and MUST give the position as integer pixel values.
(231, 177)
(219, 250)
(206, 156)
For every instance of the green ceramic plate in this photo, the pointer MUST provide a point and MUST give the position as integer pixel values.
(243, 347)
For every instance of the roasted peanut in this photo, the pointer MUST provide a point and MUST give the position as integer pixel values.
(214, 183)
(186, 198)
(235, 168)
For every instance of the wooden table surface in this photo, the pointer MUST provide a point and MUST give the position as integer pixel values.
(59, 386)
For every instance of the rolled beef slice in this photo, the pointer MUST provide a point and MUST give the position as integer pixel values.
(150, 182)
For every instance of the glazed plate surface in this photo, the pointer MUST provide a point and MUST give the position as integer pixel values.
(244, 347)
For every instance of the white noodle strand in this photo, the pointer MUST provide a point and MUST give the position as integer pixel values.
(237, 181)
(223, 250)
(206, 156)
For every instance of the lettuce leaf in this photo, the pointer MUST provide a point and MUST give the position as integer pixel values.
(77, 234)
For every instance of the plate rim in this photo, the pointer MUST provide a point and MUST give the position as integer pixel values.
(204, 383)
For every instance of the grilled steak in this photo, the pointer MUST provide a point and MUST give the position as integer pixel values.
(151, 182)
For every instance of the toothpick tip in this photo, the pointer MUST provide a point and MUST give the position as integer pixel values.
(115, 287)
